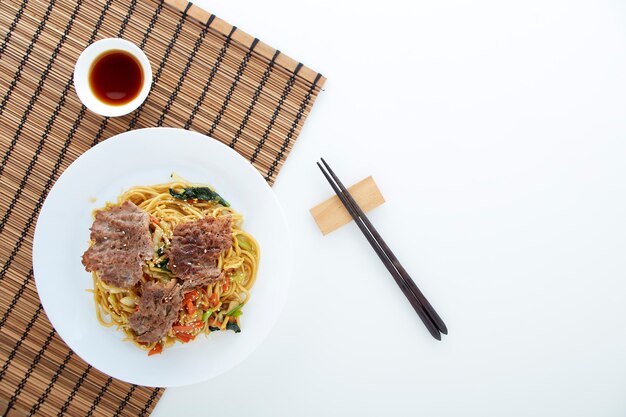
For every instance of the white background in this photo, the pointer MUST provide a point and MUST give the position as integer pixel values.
(497, 132)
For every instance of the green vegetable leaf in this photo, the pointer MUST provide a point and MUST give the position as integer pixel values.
(232, 325)
(199, 193)
(163, 265)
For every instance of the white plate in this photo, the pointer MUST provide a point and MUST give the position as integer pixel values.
(142, 157)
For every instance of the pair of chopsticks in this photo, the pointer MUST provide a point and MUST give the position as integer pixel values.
(420, 304)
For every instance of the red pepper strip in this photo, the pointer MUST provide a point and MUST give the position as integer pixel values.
(191, 296)
(182, 328)
(184, 337)
(155, 220)
(188, 327)
(188, 300)
(226, 285)
(213, 300)
(191, 308)
(158, 348)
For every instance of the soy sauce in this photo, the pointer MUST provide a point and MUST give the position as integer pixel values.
(116, 77)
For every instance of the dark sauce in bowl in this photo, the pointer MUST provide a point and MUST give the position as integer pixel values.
(116, 77)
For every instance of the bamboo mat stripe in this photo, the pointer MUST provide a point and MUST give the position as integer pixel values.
(17, 18)
(276, 112)
(183, 75)
(294, 125)
(32, 162)
(229, 94)
(249, 110)
(243, 93)
(54, 379)
(159, 71)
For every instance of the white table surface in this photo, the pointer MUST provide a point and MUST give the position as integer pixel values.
(497, 132)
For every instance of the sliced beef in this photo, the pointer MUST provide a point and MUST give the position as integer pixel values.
(195, 248)
(122, 243)
(158, 310)
(214, 275)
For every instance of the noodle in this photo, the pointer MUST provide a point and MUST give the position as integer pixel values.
(218, 303)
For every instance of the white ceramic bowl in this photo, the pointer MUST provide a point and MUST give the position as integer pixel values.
(81, 76)
(149, 156)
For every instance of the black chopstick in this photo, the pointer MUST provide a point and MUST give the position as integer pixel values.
(405, 275)
(422, 307)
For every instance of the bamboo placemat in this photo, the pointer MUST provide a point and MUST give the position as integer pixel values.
(208, 76)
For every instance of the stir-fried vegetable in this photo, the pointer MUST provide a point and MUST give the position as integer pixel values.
(213, 300)
(184, 337)
(207, 314)
(235, 312)
(238, 277)
(163, 265)
(232, 325)
(243, 243)
(188, 301)
(188, 327)
(199, 193)
(158, 348)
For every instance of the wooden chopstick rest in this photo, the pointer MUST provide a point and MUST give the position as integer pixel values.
(330, 215)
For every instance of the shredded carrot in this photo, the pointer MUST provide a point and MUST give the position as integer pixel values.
(191, 308)
(155, 220)
(191, 296)
(158, 348)
(226, 286)
(213, 300)
(184, 337)
(182, 328)
(188, 327)
(188, 300)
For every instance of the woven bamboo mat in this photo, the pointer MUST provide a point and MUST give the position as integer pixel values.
(208, 76)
